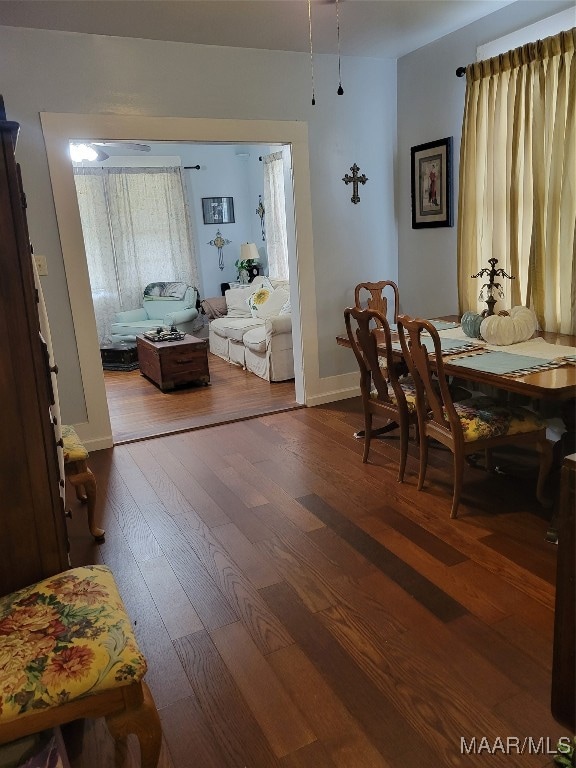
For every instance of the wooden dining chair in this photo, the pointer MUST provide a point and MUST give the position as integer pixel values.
(470, 426)
(383, 393)
(377, 297)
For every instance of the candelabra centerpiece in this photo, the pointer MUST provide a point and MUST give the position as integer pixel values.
(490, 290)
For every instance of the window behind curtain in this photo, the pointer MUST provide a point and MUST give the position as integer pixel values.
(275, 220)
(136, 231)
(517, 198)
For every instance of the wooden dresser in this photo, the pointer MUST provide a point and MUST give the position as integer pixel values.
(34, 542)
(171, 364)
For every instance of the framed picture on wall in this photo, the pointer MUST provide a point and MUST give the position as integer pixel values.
(432, 184)
(218, 210)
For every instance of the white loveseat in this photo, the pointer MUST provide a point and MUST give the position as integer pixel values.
(259, 338)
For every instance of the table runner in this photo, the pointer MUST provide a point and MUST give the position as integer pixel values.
(448, 346)
(504, 363)
(535, 347)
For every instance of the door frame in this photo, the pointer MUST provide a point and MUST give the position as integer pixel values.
(60, 128)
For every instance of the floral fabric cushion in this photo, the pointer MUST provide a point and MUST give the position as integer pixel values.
(65, 637)
(481, 418)
(73, 448)
(409, 392)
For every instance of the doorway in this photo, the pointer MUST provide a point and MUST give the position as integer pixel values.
(59, 129)
(137, 409)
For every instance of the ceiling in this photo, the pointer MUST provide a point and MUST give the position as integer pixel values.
(372, 28)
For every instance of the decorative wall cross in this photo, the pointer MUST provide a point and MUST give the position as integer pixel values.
(355, 179)
(219, 242)
(261, 212)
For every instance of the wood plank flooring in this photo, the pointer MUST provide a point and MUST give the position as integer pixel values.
(300, 609)
(139, 409)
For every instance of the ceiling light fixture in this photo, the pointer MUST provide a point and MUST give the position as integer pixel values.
(79, 152)
(340, 90)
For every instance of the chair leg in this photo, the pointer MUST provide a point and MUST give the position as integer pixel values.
(144, 722)
(404, 435)
(82, 479)
(423, 459)
(90, 488)
(367, 435)
(545, 449)
(458, 473)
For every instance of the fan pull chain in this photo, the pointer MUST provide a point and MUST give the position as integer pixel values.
(311, 50)
(340, 90)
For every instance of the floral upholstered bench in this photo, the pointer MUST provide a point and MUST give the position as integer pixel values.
(67, 651)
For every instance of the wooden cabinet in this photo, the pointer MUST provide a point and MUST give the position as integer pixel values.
(33, 540)
(171, 364)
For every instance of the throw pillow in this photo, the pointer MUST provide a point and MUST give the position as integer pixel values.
(237, 301)
(266, 302)
(237, 298)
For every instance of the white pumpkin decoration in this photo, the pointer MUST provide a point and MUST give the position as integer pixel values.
(505, 329)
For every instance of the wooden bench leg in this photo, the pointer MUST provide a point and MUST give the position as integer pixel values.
(142, 720)
(81, 477)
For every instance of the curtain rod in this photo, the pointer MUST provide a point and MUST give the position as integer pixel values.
(461, 71)
(191, 167)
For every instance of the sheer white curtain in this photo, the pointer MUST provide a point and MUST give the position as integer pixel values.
(517, 199)
(136, 231)
(275, 220)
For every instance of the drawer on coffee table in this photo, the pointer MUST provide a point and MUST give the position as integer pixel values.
(193, 361)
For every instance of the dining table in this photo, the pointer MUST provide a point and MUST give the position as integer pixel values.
(543, 367)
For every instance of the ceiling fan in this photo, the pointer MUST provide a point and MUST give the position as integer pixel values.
(84, 150)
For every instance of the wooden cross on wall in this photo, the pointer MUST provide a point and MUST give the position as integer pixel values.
(355, 180)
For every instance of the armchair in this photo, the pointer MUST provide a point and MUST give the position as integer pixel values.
(164, 304)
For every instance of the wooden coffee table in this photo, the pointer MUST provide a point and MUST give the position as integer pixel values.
(171, 364)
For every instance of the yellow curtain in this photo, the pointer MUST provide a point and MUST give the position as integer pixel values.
(517, 198)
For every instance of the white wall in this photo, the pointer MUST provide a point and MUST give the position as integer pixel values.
(92, 74)
(430, 107)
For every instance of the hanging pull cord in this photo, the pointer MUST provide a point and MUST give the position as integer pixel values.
(311, 49)
(340, 90)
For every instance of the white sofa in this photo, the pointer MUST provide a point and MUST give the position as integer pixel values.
(259, 338)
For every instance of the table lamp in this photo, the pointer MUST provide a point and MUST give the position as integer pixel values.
(249, 256)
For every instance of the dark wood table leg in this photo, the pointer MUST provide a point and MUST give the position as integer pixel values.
(377, 432)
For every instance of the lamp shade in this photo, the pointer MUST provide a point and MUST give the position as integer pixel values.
(249, 251)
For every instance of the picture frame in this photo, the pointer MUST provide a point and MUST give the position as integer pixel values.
(218, 210)
(431, 184)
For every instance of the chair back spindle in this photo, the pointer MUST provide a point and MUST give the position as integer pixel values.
(377, 299)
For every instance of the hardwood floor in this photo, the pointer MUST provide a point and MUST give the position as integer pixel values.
(301, 609)
(139, 409)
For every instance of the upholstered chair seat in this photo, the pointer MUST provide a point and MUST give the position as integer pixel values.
(67, 651)
(482, 418)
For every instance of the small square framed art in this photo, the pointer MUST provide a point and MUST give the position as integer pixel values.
(218, 210)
